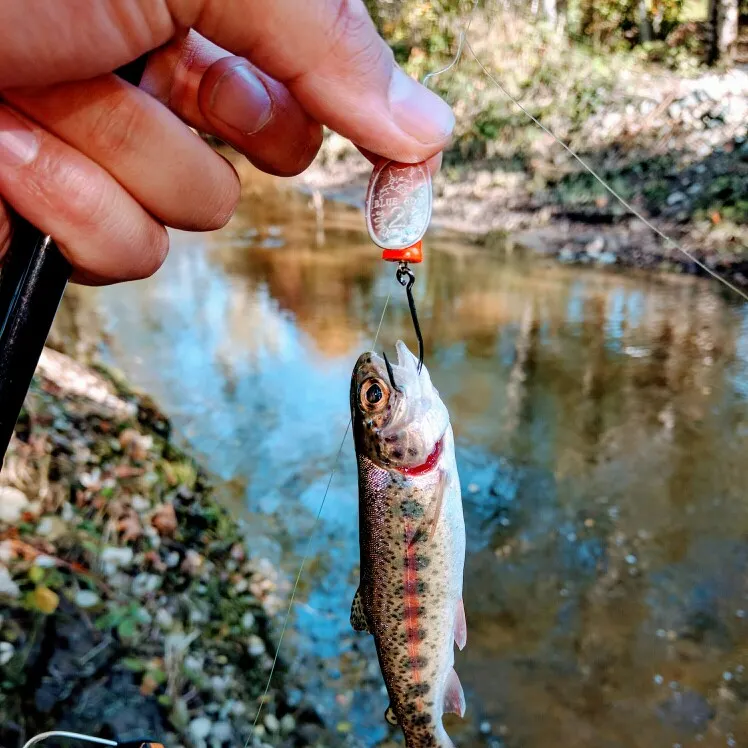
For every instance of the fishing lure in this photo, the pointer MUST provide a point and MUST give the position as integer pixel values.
(398, 210)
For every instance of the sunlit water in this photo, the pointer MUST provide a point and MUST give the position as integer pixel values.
(601, 423)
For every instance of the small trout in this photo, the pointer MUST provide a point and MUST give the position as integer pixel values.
(412, 538)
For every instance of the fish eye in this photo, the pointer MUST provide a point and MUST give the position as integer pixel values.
(374, 395)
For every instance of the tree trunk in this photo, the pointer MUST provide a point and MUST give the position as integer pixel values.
(551, 11)
(646, 33)
(723, 28)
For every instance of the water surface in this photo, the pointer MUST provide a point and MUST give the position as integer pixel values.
(601, 423)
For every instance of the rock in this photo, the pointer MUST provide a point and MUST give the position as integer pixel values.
(7, 585)
(255, 646)
(164, 619)
(114, 558)
(145, 584)
(200, 729)
(12, 504)
(596, 246)
(7, 650)
(271, 722)
(140, 504)
(248, 621)
(676, 197)
(86, 599)
(172, 559)
(222, 732)
(288, 723)
(52, 527)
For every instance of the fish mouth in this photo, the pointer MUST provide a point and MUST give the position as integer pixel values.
(428, 465)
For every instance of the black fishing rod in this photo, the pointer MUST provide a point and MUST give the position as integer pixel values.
(33, 279)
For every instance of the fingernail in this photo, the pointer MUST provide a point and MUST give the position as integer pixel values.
(241, 101)
(18, 144)
(418, 111)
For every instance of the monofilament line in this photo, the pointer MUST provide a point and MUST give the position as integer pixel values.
(618, 197)
(309, 544)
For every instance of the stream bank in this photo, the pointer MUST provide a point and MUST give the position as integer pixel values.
(131, 603)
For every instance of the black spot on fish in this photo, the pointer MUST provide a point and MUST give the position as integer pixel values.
(397, 454)
(422, 561)
(411, 509)
(392, 439)
(421, 720)
(420, 535)
(419, 689)
(419, 661)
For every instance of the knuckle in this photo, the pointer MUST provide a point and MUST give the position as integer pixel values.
(116, 126)
(354, 41)
(60, 184)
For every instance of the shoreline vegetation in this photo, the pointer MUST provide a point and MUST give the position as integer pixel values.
(131, 603)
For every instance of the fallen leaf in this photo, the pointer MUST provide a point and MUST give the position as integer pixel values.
(130, 527)
(165, 520)
(148, 686)
(45, 600)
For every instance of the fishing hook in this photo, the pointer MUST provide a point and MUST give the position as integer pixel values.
(406, 278)
(390, 373)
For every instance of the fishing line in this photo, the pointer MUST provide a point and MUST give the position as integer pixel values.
(307, 552)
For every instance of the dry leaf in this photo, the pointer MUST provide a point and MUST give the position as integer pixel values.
(148, 686)
(165, 520)
(130, 527)
(45, 600)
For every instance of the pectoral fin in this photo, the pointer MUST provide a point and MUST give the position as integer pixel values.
(358, 617)
(454, 697)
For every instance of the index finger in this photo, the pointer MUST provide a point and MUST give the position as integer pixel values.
(327, 52)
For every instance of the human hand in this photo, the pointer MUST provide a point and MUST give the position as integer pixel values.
(104, 166)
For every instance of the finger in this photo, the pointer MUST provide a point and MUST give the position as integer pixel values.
(230, 98)
(53, 42)
(166, 167)
(98, 226)
(5, 230)
(327, 52)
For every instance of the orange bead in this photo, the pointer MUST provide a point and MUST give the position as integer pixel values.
(414, 253)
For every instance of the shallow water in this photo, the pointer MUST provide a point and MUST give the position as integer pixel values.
(601, 422)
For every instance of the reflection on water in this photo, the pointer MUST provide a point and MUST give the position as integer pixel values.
(601, 424)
